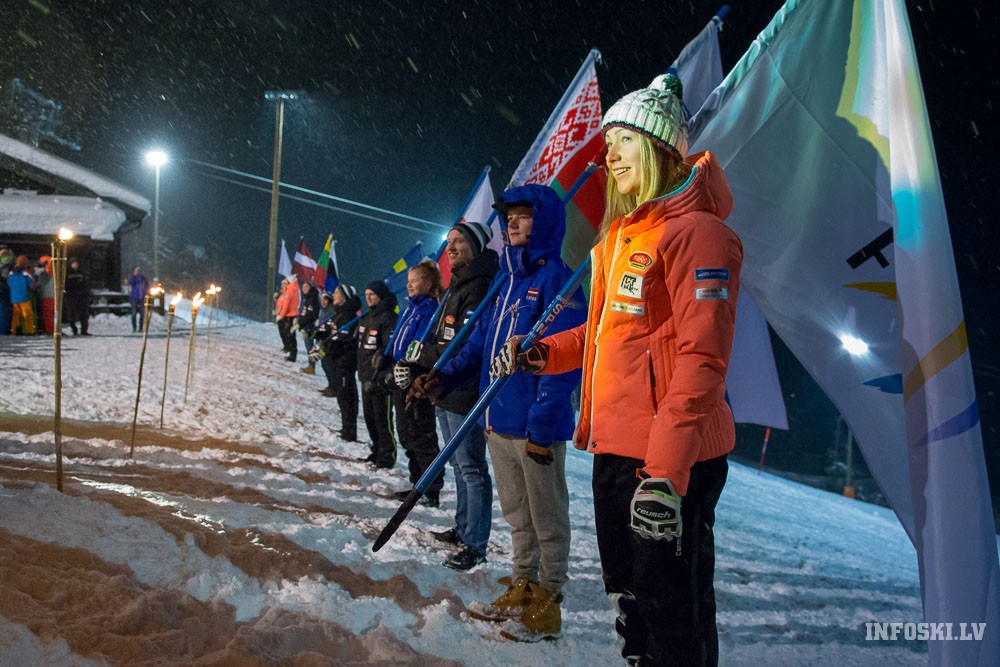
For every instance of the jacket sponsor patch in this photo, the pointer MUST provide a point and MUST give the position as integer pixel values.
(449, 320)
(711, 274)
(711, 293)
(628, 308)
(640, 260)
(532, 294)
(448, 334)
(630, 285)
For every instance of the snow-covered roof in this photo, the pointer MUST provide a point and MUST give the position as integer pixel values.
(67, 177)
(31, 213)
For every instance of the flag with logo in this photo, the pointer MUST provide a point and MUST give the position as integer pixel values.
(303, 265)
(570, 139)
(396, 279)
(823, 132)
(478, 208)
(752, 385)
(284, 262)
(326, 267)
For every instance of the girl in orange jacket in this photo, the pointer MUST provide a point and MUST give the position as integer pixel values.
(654, 352)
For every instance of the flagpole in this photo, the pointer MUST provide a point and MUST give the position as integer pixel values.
(562, 300)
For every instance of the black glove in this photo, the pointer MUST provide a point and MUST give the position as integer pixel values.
(427, 386)
(380, 362)
(538, 453)
(368, 386)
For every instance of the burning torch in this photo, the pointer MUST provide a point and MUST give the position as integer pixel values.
(211, 292)
(59, 280)
(147, 307)
(196, 302)
(166, 364)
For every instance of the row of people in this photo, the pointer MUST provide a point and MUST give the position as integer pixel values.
(27, 295)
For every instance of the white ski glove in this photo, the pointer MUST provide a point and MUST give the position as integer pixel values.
(316, 353)
(413, 351)
(511, 359)
(656, 510)
(402, 374)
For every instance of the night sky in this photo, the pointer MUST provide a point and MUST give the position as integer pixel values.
(407, 102)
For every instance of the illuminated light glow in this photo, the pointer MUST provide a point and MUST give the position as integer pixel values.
(444, 237)
(65, 234)
(177, 298)
(196, 301)
(855, 346)
(156, 290)
(156, 158)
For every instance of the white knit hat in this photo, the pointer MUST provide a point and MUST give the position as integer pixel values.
(655, 112)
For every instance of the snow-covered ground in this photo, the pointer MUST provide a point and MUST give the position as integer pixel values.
(241, 532)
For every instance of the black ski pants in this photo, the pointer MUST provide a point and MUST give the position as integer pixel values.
(341, 377)
(377, 403)
(663, 591)
(417, 431)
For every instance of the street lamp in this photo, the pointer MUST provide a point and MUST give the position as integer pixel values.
(279, 96)
(157, 159)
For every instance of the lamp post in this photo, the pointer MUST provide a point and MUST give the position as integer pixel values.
(166, 360)
(147, 307)
(279, 97)
(59, 281)
(157, 159)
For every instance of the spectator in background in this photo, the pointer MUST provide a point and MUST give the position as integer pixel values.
(77, 298)
(6, 263)
(306, 320)
(286, 312)
(42, 296)
(138, 286)
(20, 284)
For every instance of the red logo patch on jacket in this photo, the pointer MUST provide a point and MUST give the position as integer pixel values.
(640, 260)
(532, 294)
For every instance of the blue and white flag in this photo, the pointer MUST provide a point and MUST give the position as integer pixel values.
(823, 132)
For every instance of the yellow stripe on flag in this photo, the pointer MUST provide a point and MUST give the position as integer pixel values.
(887, 290)
(945, 352)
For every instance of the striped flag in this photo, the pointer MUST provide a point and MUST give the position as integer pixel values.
(326, 267)
(303, 265)
(479, 209)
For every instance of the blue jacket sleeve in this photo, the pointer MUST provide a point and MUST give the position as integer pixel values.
(551, 405)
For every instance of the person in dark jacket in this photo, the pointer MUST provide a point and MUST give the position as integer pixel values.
(340, 357)
(374, 331)
(306, 321)
(77, 298)
(473, 266)
(138, 286)
(6, 310)
(415, 421)
(530, 419)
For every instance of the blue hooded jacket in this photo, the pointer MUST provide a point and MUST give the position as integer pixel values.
(411, 324)
(536, 407)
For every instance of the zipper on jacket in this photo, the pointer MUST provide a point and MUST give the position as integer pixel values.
(503, 310)
(597, 331)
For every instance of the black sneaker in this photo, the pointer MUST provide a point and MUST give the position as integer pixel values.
(430, 500)
(466, 559)
(400, 495)
(449, 536)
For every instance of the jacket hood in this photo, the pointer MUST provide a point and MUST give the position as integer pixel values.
(486, 264)
(706, 189)
(549, 225)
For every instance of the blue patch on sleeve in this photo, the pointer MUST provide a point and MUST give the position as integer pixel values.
(711, 274)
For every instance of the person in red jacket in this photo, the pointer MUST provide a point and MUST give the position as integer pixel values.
(654, 351)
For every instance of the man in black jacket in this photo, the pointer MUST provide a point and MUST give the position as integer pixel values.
(340, 359)
(374, 331)
(77, 298)
(473, 266)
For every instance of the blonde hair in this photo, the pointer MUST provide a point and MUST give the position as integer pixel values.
(660, 171)
(429, 271)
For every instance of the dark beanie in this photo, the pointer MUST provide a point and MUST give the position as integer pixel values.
(379, 287)
(476, 233)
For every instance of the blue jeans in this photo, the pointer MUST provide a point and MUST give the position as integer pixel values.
(137, 309)
(473, 486)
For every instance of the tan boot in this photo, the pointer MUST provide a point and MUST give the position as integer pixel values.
(541, 620)
(510, 605)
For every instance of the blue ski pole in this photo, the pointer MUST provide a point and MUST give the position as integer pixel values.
(562, 300)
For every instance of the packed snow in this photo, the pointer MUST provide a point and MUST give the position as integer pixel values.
(241, 532)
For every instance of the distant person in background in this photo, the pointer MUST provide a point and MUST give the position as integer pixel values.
(138, 286)
(6, 312)
(285, 313)
(45, 290)
(21, 284)
(306, 321)
(374, 331)
(77, 298)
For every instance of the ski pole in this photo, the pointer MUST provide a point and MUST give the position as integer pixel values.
(563, 299)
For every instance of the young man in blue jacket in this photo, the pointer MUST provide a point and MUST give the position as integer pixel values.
(528, 423)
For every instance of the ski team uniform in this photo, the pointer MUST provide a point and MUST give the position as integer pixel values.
(340, 363)
(655, 350)
(374, 331)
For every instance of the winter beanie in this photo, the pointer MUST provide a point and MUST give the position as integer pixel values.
(655, 112)
(476, 233)
(379, 287)
(349, 292)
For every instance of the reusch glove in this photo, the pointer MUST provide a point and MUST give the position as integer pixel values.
(426, 386)
(538, 453)
(655, 510)
(402, 374)
(316, 353)
(413, 351)
(510, 358)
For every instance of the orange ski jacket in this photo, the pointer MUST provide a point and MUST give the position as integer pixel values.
(288, 302)
(656, 344)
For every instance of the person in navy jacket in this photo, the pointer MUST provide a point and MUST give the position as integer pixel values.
(531, 418)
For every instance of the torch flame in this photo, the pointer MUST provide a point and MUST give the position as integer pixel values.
(212, 289)
(65, 234)
(197, 301)
(156, 290)
(177, 299)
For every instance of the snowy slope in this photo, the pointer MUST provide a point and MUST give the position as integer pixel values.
(241, 532)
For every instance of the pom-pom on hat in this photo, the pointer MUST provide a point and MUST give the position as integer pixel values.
(476, 233)
(655, 112)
